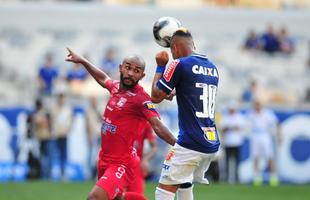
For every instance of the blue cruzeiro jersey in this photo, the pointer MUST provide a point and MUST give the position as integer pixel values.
(195, 79)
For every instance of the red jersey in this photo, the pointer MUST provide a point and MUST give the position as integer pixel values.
(127, 112)
(145, 133)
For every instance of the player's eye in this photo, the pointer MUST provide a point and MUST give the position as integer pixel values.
(127, 67)
(137, 71)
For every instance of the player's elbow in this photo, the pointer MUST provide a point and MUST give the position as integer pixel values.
(156, 99)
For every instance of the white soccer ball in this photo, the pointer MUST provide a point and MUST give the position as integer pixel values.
(163, 29)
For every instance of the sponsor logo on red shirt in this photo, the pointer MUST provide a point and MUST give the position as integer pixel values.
(170, 70)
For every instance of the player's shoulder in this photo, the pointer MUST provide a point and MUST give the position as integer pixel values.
(141, 94)
(203, 58)
(144, 99)
(196, 58)
(112, 85)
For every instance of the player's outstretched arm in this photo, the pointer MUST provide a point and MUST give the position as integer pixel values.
(100, 76)
(158, 95)
(162, 131)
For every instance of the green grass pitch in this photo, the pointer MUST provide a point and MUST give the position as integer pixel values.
(74, 191)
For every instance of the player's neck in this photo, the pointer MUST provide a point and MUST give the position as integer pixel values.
(123, 87)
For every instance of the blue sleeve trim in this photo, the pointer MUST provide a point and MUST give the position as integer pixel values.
(162, 86)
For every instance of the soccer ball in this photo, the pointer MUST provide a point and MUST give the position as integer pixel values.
(163, 29)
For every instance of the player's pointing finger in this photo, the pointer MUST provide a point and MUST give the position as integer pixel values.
(69, 50)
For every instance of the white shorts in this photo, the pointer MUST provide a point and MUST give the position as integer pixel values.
(183, 165)
(262, 146)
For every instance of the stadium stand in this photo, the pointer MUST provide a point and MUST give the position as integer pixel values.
(91, 28)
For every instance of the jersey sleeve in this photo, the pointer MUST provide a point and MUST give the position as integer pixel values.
(170, 77)
(149, 133)
(148, 109)
(110, 84)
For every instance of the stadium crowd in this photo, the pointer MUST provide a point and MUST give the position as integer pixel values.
(270, 41)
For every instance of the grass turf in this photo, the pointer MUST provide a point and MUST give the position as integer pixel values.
(74, 191)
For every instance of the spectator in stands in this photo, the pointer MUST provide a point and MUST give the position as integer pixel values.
(109, 63)
(48, 73)
(62, 117)
(269, 41)
(93, 124)
(233, 131)
(40, 120)
(77, 73)
(76, 78)
(263, 126)
(252, 41)
(249, 93)
(287, 44)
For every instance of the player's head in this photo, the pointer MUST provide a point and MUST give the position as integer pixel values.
(131, 71)
(182, 43)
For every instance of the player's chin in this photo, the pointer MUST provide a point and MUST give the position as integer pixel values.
(129, 84)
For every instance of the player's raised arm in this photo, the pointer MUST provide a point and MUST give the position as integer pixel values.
(158, 95)
(162, 131)
(100, 76)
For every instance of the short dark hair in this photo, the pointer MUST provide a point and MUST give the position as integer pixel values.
(182, 32)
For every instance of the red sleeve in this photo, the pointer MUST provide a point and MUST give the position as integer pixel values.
(149, 133)
(148, 109)
(110, 84)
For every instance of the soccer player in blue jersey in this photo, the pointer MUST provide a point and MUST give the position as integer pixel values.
(194, 79)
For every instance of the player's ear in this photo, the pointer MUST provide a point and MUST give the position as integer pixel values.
(194, 47)
(120, 67)
(142, 76)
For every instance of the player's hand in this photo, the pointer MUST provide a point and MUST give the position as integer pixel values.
(162, 58)
(74, 57)
(171, 95)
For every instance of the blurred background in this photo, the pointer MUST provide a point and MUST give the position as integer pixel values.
(261, 48)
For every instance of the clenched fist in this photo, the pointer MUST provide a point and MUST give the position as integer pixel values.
(162, 58)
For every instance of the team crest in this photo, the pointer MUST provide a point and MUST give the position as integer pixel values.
(170, 70)
(121, 102)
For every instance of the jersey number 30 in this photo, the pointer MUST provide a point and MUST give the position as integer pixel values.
(208, 100)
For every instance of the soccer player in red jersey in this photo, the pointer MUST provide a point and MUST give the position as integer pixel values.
(127, 111)
(142, 171)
